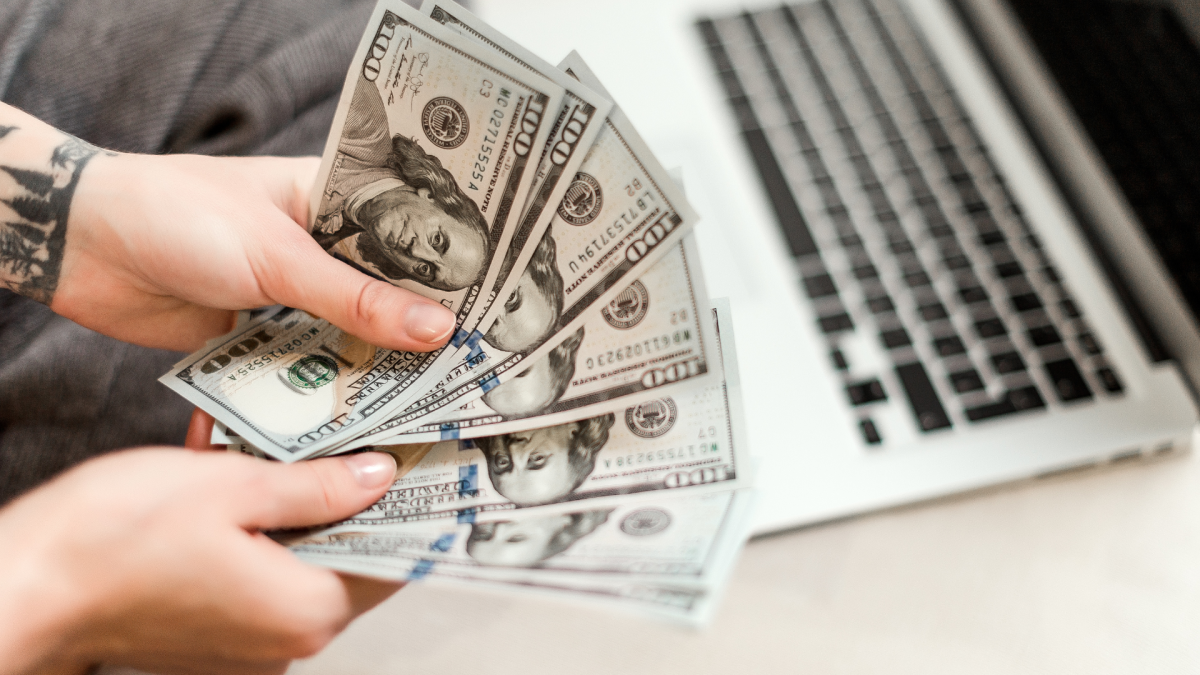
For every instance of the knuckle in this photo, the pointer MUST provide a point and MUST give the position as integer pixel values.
(326, 487)
(312, 629)
(309, 642)
(372, 297)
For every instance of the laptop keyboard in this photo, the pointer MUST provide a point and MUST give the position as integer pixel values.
(929, 285)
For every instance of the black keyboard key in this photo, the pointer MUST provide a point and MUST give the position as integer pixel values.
(1044, 335)
(949, 346)
(922, 397)
(1017, 400)
(863, 393)
(1090, 344)
(973, 295)
(839, 359)
(1026, 398)
(990, 328)
(991, 238)
(894, 339)
(836, 323)
(1110, 381)
(917, 279)
(1068, 381)
(870, 432)
(1008, 362)
(1009, 269)
(991, 410)
(867, 271)
(787, 212)
(1069, 309)
(966, 380)
(933, 311)
(941, 230)
(820, 286)
(881, 304)
(957, 262)
(1051, 275)
(1026, 302)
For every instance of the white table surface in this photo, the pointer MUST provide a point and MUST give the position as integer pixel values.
(1093, 572)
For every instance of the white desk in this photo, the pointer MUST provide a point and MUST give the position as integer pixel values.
(1096, 572)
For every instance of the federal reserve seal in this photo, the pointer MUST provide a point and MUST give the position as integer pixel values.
(652, 418)
(583, 200)
(645, 522)
(445, 123)
(311, 373)
(629, 308)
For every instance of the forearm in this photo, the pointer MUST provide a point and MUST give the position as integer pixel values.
(39, 170)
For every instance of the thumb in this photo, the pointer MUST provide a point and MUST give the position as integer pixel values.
(372, 310)
(318, 491)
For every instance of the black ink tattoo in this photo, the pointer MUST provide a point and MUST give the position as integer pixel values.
(31, 244)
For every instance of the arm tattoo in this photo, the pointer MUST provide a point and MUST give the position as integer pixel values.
(33, 229)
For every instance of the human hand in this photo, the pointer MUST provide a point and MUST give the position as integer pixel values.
(159, 250)
(154, 559)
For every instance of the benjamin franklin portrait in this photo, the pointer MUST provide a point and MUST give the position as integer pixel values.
(397, 208)
(527, 541)
(543, 466)
(531, 313)
(540, 385)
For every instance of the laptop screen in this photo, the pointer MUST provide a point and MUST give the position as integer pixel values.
(1131, 71)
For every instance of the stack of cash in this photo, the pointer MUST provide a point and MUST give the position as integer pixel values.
(581, 432)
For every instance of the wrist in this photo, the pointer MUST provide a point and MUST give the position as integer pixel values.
(40, 169)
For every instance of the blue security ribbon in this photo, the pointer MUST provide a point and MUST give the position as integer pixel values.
(420, 570)
(476, 350)
(489, 383)
(443, 543)
(468, 478)
(450, 431)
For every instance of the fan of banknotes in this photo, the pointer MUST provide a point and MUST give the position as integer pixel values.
(581, 433)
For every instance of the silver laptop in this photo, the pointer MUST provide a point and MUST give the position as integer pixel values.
(937, 283)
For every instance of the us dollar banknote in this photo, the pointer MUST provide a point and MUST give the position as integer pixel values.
(652, 338)
(433, 151)
(688, 442)
(669, 555)
(667, 537)
(621, 213)
(688, 605)
(579, 120)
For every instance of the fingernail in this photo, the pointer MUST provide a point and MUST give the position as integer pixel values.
(371, 469)
(428, 322)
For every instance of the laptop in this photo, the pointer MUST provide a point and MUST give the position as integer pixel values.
(959, 237)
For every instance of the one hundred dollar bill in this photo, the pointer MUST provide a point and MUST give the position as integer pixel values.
(687, 605)
(622, 212)
(669, 554)
(665, 537)
(654, 337)
(690, 441)
(434, 148)
(286, 380)
(579, 120)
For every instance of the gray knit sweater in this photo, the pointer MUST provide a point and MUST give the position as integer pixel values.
(153, 76)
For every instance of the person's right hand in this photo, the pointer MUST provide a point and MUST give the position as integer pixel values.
(158, 250)
(154, 559)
